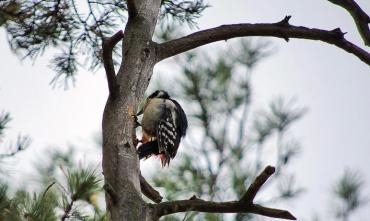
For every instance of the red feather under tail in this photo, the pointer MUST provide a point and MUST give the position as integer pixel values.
(163, 159)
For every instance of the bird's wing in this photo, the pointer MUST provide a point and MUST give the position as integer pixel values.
(181, 120)
(168, 139)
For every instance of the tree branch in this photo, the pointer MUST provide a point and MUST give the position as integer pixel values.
(68, 209)
(132, 9)
(245, 205)
(108, 45)
(149, 191)
(257, 184)
(360, 17)
(280, 29)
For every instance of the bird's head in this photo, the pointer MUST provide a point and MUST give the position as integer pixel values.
(159, 94)
(156, 94)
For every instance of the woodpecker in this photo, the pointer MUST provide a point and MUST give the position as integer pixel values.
(163, 124)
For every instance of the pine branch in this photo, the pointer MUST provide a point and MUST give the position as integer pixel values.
(360, 17)
(108, 45)
(244, 205)
(82, 184)
(280, 29)
(67, 210)
(22, 143)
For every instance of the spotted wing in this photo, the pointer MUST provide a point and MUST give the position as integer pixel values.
(168, 137)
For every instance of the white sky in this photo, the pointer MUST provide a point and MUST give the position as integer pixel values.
(333, 84)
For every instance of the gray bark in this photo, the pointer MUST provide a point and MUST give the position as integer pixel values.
(120, 161)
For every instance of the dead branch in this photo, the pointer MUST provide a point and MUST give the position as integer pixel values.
(360, 17)
(257, 184)
(280, 29)
(245, 205)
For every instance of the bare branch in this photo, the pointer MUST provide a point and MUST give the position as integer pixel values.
(199, 205)
(280, 29)
(108, 45)
(257, 184)
(271, 212)
(245, 205)
(360, 17)
(149, 191)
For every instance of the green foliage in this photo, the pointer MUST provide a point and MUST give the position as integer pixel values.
(8, 210)
(38, 207)
(183, 11)
(82, 183)
(21, 143)
(224, 154)
(73, 196)
(348, 190)
(76, 32)
(4, 120)
(282, 114)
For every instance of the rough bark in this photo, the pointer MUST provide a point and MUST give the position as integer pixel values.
(120, 160)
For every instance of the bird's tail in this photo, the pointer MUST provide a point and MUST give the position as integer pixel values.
(151, 148)
(165, 160)
(147, 149)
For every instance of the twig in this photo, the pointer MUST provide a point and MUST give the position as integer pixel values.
(245, 205)
(149, 191)
(280, 29)
(68, 209)
(360, 17)
(108, 45)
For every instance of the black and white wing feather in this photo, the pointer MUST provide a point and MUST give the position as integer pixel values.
(168, 136)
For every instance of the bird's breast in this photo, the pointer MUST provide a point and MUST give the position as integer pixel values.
(151, 117)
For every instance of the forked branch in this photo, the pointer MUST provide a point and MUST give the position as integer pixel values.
(244, 205)
(108, 45)
(280, 29)
(360, 17)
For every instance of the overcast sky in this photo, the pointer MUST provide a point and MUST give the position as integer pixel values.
(333, 84)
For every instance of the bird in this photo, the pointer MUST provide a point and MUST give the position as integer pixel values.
(164, 123)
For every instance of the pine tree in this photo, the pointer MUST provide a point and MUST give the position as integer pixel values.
(36, 26)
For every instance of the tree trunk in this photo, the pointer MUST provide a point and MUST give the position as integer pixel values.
(120, 161)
